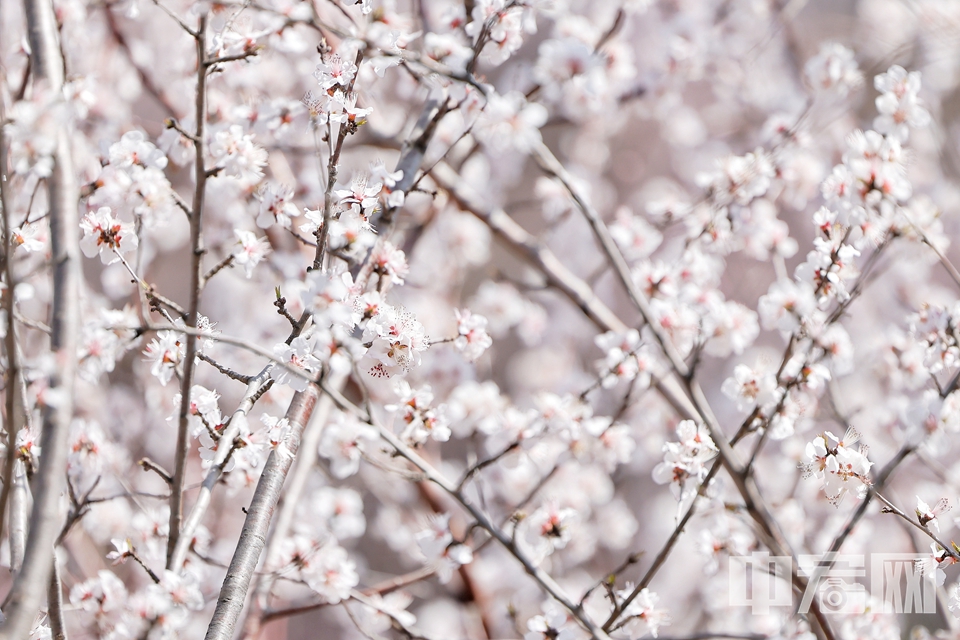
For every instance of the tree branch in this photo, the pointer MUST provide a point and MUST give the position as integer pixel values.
(12, 420)
(302, 469)
(196, 283)
(30, 584)
(224, 449)
(253, 536)
(541, 577)
(55, 603)
(527, 246)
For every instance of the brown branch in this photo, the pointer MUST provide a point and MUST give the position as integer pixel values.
(220, 266)
(230, 373)
(150, 465)
(157, 301)
(12, 420)
(231, 58)
(892, 508)
(182, 450)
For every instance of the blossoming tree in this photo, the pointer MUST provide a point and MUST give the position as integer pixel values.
(474, 319)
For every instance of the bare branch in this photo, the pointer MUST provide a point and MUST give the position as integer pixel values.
(217, 268)
(55, 603)
(12, 420)
(892, 508)
(150, 465)
(527, 246)
(541, 577)
(196, 283)
(18, 518)
(224, 450)
(30, 584)
(253, 536)
(183, 25)
(302, 469)
(212, 62)
(230, 373)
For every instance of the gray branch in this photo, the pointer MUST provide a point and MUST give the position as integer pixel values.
(216, 470)
(18, 517)
(291, 498)
(253, 537)
(30, 585)
(58, 630)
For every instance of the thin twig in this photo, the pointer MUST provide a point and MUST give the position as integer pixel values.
(541, 577)
(689, 387)
(381, 588)
(947, 265)
(150, 465)
(150, 572)
(892, 508)
(183, 25)
(230, 373)
(220, 266)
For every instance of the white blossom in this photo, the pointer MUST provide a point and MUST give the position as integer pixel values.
(235, 152)
(250, 250)
(472, 338)
(164, 353)
(833, 69)
(106, 236)
(344, 442)
(837, 464)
